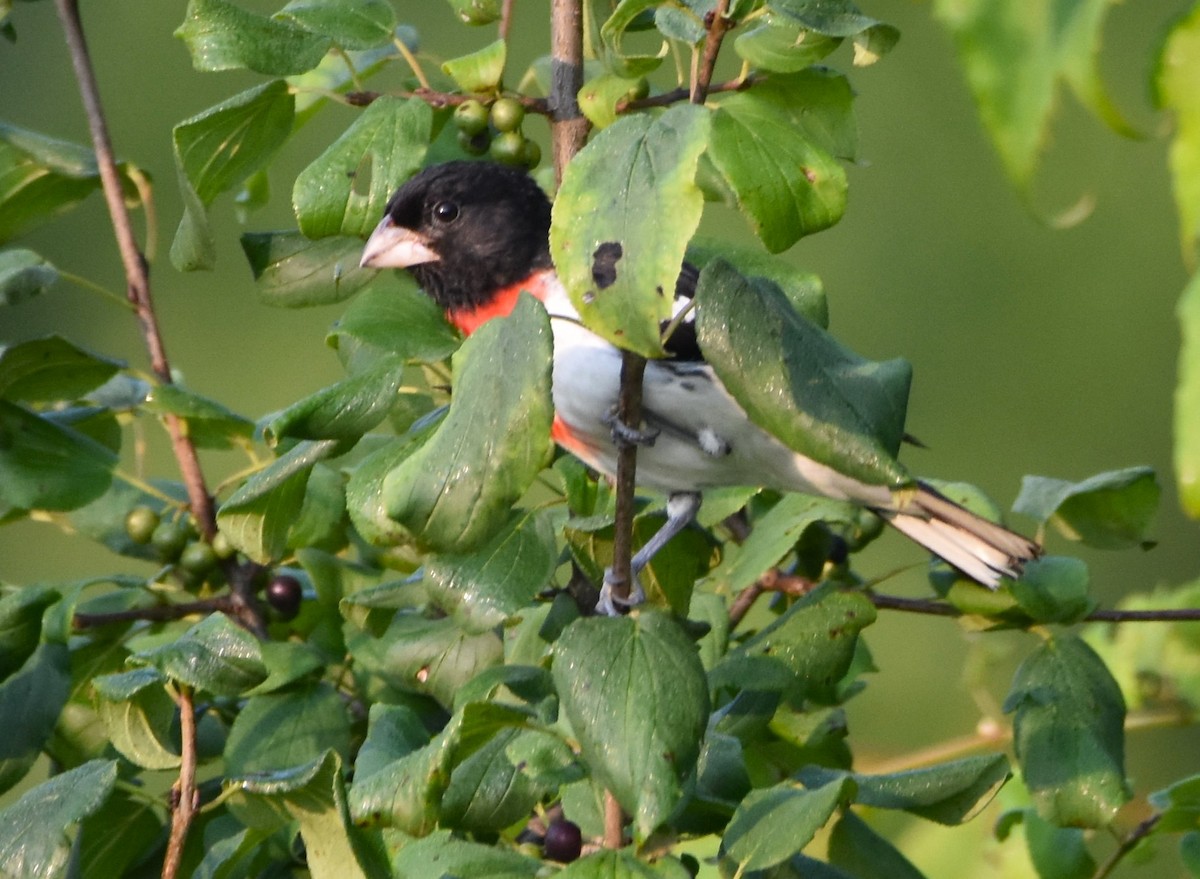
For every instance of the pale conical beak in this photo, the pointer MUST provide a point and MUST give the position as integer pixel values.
(394, 247)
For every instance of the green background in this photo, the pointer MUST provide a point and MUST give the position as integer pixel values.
(1035, 349)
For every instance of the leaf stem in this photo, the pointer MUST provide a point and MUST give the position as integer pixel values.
(506, 15)
(92, 287)
(412, 62)
(613, 829)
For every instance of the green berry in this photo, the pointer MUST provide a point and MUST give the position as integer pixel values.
(140, 523)
(169, 538)
(507, 147)
(222, 546)
(531, 154)
(197, 558)
(507, 114)
(474, 144)
(471, 117)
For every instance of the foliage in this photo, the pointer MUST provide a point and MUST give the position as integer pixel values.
(424, 690)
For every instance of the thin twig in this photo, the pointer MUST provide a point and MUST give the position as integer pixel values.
(184, 791)
(157, 613)
(439, 100)
(717, 24)
(674, 96)
(137, 277)
(943, 609)
(506, 13)
(1127, 844)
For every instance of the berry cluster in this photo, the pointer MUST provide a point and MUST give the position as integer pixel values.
(496, 130)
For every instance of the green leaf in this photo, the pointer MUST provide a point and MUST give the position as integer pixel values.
(1111, 510)
(456, 491)
(344, 411)
(259, 515)
(1178, 806)
(803, 289)
(1060, 852)
(30, 702)
(786, 185)
(42, 176)
(364, 497)
(1174, 77)
(806, 652)
(427, 656)
(798, 383)
(392, 320)
(772, 824)
(1189, 852)
(33, 831)
(1053, 589)
(854, 845)
(406, 793)
(782, 44)
(314, 797)
(639, 724)
(345, 190)
(476, 12)
(480, 71)
(1014, 58)
(119, 834)
(219, 148)
(215, 655)
(948, 793)
(352, 24)
(50, 370)
(21, 624)
(458, 857)
(137, 713)
(287, 729)
(293, 272)
(209, 424)
(489, 791)
(23, 275)
(1069, 733)
(485, 587)
(600, 95)
(612, 33)
(626, 209)
(393, 731)
(222, 36)
(1187, 400)
(45, 466)
(775, 534)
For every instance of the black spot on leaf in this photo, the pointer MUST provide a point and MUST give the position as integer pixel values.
(604, 263)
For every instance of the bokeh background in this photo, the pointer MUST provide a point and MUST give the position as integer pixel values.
(1037, 349)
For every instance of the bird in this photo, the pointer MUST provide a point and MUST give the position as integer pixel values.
(475, 235)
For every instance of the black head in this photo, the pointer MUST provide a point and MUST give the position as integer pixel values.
(464, 230)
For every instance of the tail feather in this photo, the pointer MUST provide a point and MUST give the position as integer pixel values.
(981, 549)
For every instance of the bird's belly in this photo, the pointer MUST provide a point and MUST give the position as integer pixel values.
(702, 437)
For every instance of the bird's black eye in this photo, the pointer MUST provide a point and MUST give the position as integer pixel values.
(445, 212)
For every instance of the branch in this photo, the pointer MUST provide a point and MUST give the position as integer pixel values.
(1127, 844)
(439, 100)
(685, 94)
(159, 613)
(773, 580)
(568, 127)
(629, 413)
(717, 24)
(137, 277)
(184, 794)
(506, 12)
(944, 609)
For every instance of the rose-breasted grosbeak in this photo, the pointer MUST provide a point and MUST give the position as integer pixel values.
(475, 235)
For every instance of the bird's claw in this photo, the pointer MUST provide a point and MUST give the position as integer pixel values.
(623, 434)
(611, 604)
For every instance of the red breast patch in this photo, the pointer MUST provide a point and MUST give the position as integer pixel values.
(502, 304)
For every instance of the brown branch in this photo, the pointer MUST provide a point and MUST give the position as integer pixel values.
(943, 609)
(773, 580)
(717, 24)
(158, 613)
(137, 276)
(568, 126)
(629, 413)
(438, 100)
(184, 794)
(674, 96)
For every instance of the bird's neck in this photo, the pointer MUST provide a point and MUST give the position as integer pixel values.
(471, 317)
